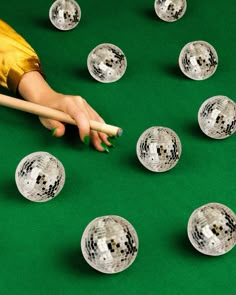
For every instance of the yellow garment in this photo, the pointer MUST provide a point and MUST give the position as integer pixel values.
(17, 57)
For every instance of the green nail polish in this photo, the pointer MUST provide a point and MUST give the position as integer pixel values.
(86, 139)
(105, 147)
(53, 131)
(110, 140)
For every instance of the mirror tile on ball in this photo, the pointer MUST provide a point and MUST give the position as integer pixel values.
(40, 177)
(65, 14)
(158, 149)
(109, 244)
(217, 117)
(170, 10)
(212, 229)
(106, 63)
(198, 60)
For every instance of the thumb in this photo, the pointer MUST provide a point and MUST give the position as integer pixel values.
(57, 127)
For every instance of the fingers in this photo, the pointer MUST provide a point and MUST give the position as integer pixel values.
(82, 113)
(104, 138)
(83, 124)
(76, 108)
(100, 141)
(98, 138)
(57, 128)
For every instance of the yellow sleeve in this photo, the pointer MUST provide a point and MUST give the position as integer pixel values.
(17, 57)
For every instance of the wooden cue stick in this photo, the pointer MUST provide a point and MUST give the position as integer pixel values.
(46, 112)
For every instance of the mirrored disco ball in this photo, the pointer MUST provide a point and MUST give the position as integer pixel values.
(106, 63)
(212, 229)
(65, 14)
(158, 149)
(198, 60)
(170, 10)
(217, 117)
(109, 244)
(40, 177)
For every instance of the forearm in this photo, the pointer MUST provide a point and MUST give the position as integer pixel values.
(33, 87)
(20, 72)
(20, 69)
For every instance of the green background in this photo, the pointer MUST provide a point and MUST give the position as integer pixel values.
(40, 243)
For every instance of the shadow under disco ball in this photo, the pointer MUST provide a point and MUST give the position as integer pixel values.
(158, 149)
(212, 229)
(40, 177)
(217, 117)
(109, 244)
(106, 63)
(65, 14)
(170, 10)
(198, 60)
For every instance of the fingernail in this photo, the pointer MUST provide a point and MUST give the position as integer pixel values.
(103, 145)
(110, 140)
(53, 131)
(86, 139)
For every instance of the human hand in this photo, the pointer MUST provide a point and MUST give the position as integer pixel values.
(34, 88)
(82, 113)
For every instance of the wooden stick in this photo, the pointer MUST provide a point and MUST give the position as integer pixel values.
(46, 112)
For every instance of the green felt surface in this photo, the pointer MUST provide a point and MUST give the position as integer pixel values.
(40, 243)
